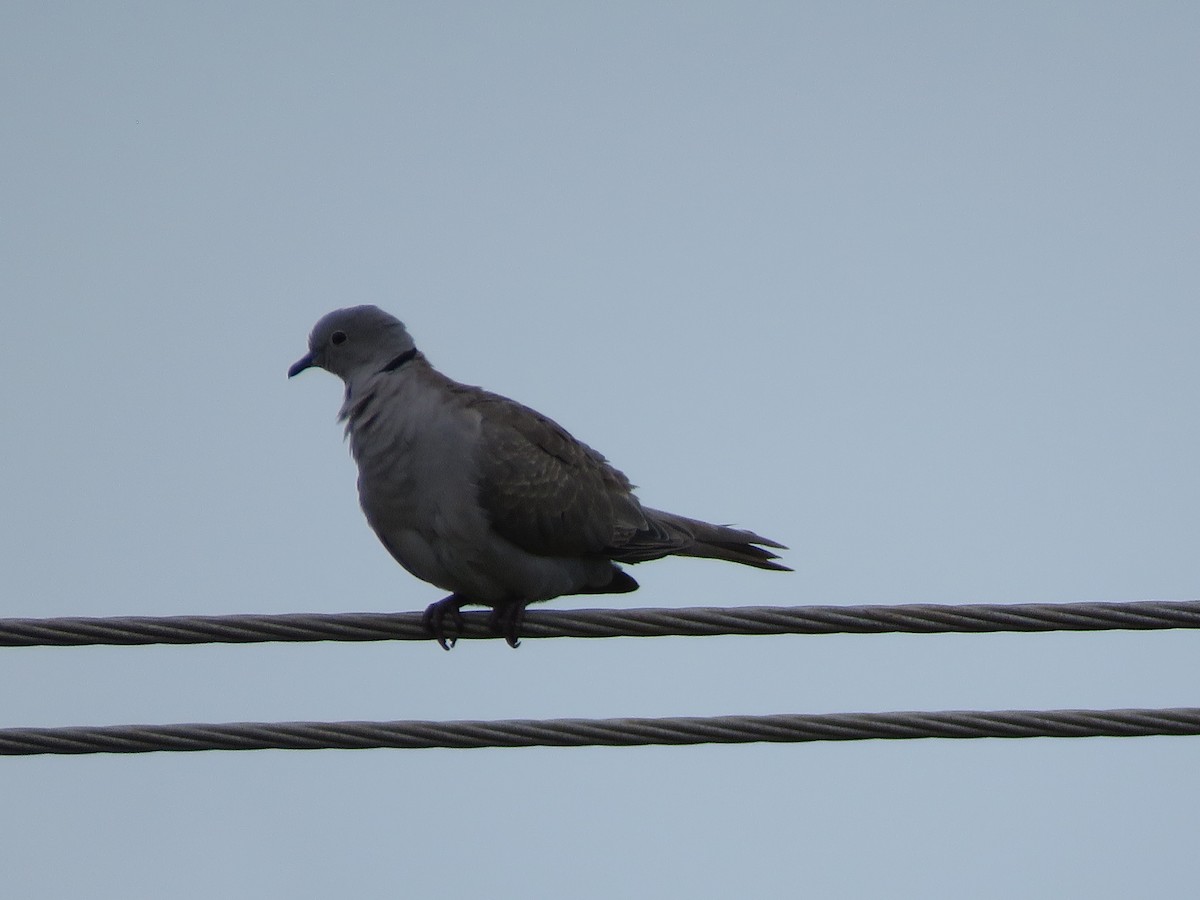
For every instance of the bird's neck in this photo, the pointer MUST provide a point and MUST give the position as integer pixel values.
(406, 357)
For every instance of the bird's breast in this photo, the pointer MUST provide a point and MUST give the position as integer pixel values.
(415, 459)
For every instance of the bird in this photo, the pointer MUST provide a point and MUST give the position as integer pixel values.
(488, 499)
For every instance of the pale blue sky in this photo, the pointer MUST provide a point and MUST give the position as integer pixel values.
(910, 287)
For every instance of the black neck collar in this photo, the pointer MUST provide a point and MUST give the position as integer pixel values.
(406, 356)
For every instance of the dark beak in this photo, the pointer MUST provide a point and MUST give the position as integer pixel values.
(304, 362)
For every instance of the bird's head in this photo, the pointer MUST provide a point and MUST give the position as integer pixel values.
(355, 341)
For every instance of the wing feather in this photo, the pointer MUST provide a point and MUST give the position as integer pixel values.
(547, 492)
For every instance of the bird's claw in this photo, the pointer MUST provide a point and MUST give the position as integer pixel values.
(434, 620)
(506, 621)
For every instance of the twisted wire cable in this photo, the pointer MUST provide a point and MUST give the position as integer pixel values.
(926, 618)
(1071, 723)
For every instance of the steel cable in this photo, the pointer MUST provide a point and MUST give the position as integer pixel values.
(602, 623)
(1071, 723)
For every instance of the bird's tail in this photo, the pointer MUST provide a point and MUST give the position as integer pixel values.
(691, 537)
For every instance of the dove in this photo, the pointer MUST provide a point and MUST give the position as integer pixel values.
(486, 498)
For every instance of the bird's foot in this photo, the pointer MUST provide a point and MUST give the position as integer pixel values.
(435, 616)
(506, 621)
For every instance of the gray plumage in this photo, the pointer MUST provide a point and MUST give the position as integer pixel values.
(487, 498)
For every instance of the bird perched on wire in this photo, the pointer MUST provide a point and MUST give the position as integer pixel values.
(484, 497)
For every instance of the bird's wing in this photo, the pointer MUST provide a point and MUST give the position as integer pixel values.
(545, 491)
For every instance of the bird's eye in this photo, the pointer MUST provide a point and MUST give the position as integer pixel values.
(338, 337)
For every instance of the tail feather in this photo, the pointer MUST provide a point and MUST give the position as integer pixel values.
(671, 535)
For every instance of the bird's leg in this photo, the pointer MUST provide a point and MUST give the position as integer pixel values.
(505, 621)
(434, 619)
